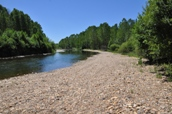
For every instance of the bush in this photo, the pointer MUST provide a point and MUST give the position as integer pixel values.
(168, 70)
(126, 47)
(140, 62)
(114, 47)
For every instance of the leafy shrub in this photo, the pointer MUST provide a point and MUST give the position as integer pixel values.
(114, 47)
(168, 70)
(126, 47)
(140, 62)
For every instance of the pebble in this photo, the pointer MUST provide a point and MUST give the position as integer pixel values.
(107, 84)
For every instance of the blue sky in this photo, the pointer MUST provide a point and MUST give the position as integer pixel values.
(61, 18)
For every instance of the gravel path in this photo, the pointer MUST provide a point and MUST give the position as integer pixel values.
(106, 83)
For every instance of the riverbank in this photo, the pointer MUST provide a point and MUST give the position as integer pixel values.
(23, 56)
(105, 83)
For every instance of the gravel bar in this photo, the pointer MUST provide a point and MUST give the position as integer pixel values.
(105, 83)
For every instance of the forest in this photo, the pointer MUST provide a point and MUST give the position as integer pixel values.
(102, 37)
(149, 36)
(20, 35)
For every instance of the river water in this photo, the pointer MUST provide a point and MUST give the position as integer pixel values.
(20, 66)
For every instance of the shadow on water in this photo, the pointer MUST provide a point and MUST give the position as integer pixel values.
(20, 66)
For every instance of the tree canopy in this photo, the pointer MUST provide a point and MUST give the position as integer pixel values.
(19, 35)
(153, 30)
(148, 36)
(101, 37)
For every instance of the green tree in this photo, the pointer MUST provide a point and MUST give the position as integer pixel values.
(8, 44)
(113, 35)
(153, 30)
(94, 38)
(19, 35)
(123, 32)
(103, 33)
(91, 37)
(4, 19)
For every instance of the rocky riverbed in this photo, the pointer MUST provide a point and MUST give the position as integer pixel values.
(106, 83)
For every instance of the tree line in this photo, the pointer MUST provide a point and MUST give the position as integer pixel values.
(20, 35)
(149, 36)
(101, 37)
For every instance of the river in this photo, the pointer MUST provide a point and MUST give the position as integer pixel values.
(42, 63)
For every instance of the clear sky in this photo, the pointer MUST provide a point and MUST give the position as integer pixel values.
(61, 18)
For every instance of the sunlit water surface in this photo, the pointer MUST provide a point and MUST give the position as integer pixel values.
(20, 66)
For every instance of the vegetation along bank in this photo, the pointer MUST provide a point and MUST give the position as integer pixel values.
(20, 35)
(149, 36)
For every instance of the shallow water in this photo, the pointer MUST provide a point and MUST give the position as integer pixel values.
(20, 66)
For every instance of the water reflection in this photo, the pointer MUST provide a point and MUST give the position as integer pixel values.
(20, 66)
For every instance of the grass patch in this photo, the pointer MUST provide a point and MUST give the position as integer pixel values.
(165, 69)
(140, 62)
(158, 75)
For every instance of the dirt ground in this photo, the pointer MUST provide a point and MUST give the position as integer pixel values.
(106, 83)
